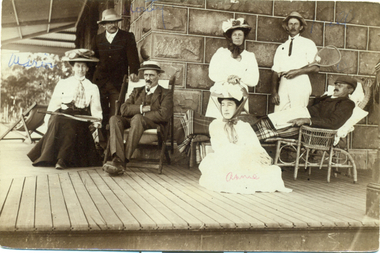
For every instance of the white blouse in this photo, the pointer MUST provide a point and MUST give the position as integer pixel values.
(65, 92)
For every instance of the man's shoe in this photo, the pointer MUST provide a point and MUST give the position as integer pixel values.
(114, 168)
(60, 165)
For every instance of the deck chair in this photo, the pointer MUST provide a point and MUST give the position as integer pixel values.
(28, 123)
(158, 137)
(324, 140)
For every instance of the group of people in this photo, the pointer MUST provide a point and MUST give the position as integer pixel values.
(239, 163)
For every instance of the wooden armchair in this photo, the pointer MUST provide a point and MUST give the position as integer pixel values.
(158, 137)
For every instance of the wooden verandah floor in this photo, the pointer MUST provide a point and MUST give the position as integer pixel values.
(141, 210)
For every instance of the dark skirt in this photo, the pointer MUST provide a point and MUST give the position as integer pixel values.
(66, 139)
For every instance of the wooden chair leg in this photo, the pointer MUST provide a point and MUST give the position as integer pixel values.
(277, 154)
(297, 160)
(306, 160)
(329, 165)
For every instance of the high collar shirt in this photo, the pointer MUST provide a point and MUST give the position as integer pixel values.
(151, 91)
(65, 92)
(111, 36)
(303, 53)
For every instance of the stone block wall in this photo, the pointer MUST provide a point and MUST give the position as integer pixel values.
(184, 34)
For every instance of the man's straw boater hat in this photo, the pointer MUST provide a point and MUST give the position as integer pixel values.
(235, 24)
(80, 55)
(109, 15)
(296, 15)
(151, 65)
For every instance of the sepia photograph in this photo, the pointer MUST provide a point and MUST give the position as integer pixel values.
(190, 125)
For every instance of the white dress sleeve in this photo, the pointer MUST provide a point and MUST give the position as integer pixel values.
(55, 101)
(251, 73)
(95, 107)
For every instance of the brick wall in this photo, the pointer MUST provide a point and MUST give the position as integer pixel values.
(184, 34)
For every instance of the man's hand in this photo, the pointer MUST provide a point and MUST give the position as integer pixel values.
(233, 79)
(146, 108)
(275, 98)
(300, 121)
(94, 126)
(134, 77)
(291, 74)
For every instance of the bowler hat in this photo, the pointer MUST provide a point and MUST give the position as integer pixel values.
(151, 65)
(109, 15)
(347, 80)
(235, 24)
(80, 55)
(296, 15)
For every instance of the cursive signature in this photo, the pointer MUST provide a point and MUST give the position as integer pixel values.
(230, 176)
(15, 60)
(150, 9)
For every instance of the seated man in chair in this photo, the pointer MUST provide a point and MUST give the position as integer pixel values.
(146, 108)
(329, 112)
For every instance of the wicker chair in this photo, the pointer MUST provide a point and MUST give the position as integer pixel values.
(324, 140)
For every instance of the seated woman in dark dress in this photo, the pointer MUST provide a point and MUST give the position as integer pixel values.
(68, 142)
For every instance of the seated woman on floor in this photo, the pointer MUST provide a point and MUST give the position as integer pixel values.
(239, 163)
(68, 142)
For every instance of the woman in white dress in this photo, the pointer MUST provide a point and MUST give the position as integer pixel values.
(239, 163)
(232, 65)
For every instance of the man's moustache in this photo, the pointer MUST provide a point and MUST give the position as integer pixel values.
(336, 90)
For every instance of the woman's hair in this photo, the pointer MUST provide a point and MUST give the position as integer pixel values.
(88, 64)
(237, 102)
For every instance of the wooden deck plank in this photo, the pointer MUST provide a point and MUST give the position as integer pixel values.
(134, 191)
(244, 202)
(111, 219)
(77, 218)
(128, 202)
(5, 185)
(231, 218)
(176, 205)
(9, 213)
(94, 218)
(166, 207)
(180, 199)
(200, 203)
(226, 205)
(43, 216)
(25, 218)
(60, 215)
(130, 223)
(334, 209)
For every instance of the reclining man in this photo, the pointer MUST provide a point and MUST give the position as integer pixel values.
(146, 108)
(328, 112)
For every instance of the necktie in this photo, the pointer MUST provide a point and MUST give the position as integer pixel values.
(80, 96)
(290, 47)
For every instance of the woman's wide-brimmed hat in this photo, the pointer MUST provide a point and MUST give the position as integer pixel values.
(109, 15)
(296, 15)
(151, 65)
(235, 24)
(80, 55)
(232, 92)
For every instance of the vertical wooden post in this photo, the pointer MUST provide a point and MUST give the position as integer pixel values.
(373, 188)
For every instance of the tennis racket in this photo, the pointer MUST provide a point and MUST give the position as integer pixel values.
(326, 57)
(85, 118)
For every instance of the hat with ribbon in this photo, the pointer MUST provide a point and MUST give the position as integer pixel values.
(235, 24)
(347, 80)
(151, 65)
(80, 55)
(296, 15)
(109, 15)
(232, 92)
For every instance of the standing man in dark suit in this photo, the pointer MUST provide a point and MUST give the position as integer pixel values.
(116, 50)
(146, 108)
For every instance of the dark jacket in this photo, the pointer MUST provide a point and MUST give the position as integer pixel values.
(161, 104)
(115, 58)
(330, 113)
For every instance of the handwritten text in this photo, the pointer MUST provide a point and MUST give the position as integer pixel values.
(341, 19)
(230, 177)
(15, 60)
(150, 9)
